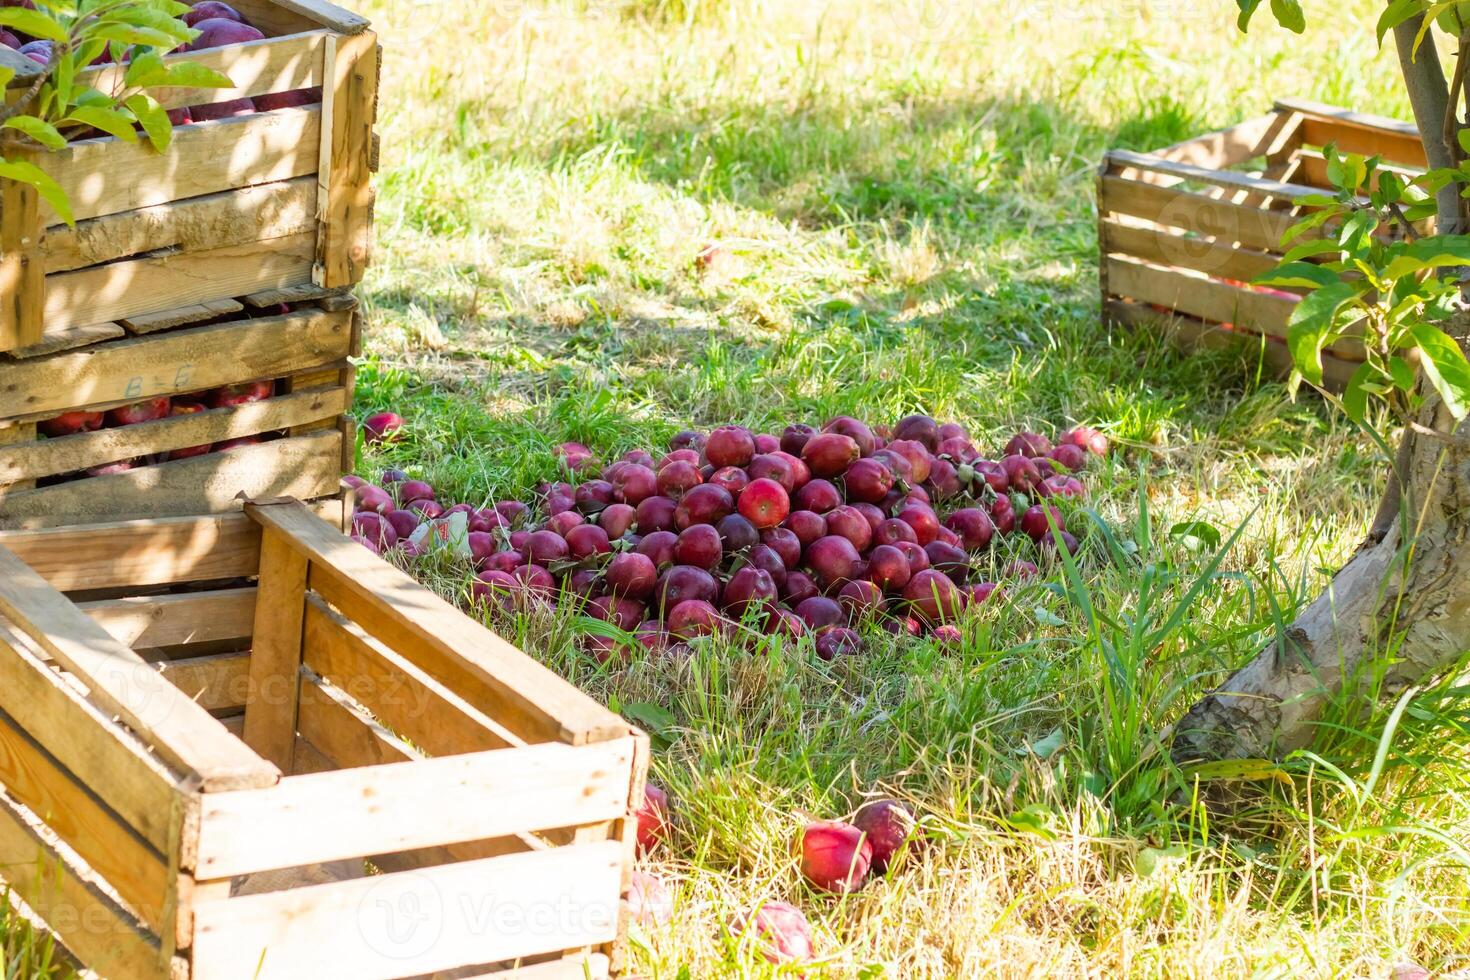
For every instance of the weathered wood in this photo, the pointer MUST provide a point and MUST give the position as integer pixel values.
(21, 268)
(171, 620)
(1165, 247)
(172, 363)
(133, 287)
(410, 805)
(70, 338)
(326, 14)
(275, 658)
(275, 64)
(402, 696)
(1222, 221)
(592, 966)
(117, 766)
(267, 298)
(136, 871)
(320, 930)
(140, 553)
(215, 682)
(522, 694)
(345, 204)
(12, 433)
(1356, 132)
(143, 323)
(233, 217)
(283, 143)
(68, 454)
(120, 681)
(1228, 147)
(1228, 179)
(304, 467)
(68, 898)
(328, 719)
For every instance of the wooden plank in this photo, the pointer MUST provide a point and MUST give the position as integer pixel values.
(170, 620)
(120, 681)
(1189, 333)
(349, 107)
(1356, 132)
(131, 287)
(341, 929)
(173, 363)
(215, 682)
(275, 64)
(500, 680)
(69, 454)
(12, 433)
(22, 272)
(1226, 147)
(424, 803)
(327, 14)
(199, 161)
(593, 966)
(1196, 213)
(303, 467)
(275, 658)
(140, 553)
(1208, 299)
(327, 719)
(118, 768)
(267, 298)
(232, 217)
(1164, 247)
(1228, 179)
(33, 777)
(180, 317)
(399, 694)
(69, 899)
(272, 19)
(70, 338)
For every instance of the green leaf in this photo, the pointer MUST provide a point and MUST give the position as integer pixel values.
(1038, 819)
(1289, 15)
(127, 34)
(1045, 748)
(1355, 396)
(191, 74)
(50, 190)
(1303, 275)
(1311, 221)
(1435, 252)
(1402, 373)
(6, 74)
(1247, 10)
(146, 69)
(1311, 323)
(37, 129)
(114, 122)
(1315, 246)
(1395, 14)
(154, 120)
(1197, 535)
(33, 22)
(1445, 365)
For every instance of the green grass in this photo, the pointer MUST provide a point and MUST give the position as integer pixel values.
(905, 192)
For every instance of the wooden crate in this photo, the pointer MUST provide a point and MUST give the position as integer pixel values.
(1183, 230)
(310, 435)
(272, 200)
(241, 694)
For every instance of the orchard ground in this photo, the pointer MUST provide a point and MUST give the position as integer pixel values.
(902, 195)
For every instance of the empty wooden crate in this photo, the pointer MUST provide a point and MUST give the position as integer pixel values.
(267, 200)
(241, 745)
(1184, 230)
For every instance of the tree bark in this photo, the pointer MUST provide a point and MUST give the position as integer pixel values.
(1399, 611)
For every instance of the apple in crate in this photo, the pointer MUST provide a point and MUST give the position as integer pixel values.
(188, 408)
(69, 423)
(145, 411)
(229, 396)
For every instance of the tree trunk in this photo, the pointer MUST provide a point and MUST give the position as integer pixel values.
(1402, 612)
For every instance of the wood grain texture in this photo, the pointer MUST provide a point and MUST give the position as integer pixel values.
(120, 681)
(22, 272)
(173, 363)
(494, 676)
(275, 658)
(69, 454)
(169, 620)
(1165, 247)
(203, 158)
(181, 316)
(304, 467)
(349, 107)
(216, 682)
(320, 930)
(125, 776)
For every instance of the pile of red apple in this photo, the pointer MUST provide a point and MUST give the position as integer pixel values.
(152, 409)
(812, 532)
(218, 25)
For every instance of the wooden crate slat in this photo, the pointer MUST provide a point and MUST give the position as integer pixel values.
(526, 697)
(305, 467)
(69, 338)
(327, 14)
(173, 363)
(284, 142)
(80, 737)
(69, 454)
(135, 870)
(1165, 247)
(215, 681)
(172, 620)
(1221, 220)
(320, 930)
(21, 267)
(329, 720)
(275, 659)
(181, 316)
(345, 202)
(275, 64)
(591, 966)
(402, 696)
(131, 287)
(408, 805)
(120, 681)
(69, 900)
(1356, 132)
(142, 553)
(235, 217)
(1228, 179)
(1229, 147)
